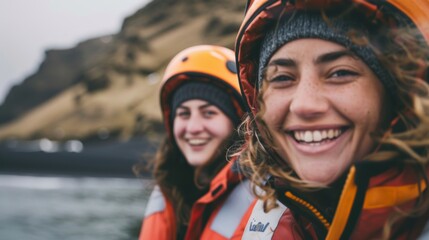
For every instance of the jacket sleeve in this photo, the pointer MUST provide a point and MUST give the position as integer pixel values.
(158, 222)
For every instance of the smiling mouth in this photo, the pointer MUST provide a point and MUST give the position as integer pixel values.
(316, 137)
(197, 142)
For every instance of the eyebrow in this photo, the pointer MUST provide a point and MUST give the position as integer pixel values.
(332, 56)
(200, 107)
(324, 58)
(284, 62)
(205, 106)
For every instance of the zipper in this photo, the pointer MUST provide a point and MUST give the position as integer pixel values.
(310, 207)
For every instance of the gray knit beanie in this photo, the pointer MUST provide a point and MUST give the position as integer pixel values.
(312, 25)
(207, 92)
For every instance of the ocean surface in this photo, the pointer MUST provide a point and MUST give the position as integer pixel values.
(63, 208)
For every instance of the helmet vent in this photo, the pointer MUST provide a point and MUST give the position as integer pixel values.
(231, 66)
(184, 59)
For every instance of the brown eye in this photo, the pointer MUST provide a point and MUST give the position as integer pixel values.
(209, 113)
(343, 73)
(281, 78)
(183, 114)
(342, 76)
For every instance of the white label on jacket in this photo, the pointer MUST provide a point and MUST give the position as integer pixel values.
(231, 213)
(156, 202)
(262, 225)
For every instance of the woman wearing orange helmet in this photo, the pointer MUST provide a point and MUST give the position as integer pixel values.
(199, 194)
(337, 134)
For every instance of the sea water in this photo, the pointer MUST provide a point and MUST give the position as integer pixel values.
(63, 208)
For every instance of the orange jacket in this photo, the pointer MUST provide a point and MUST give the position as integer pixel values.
(361, 211)
(159, 221)
(220, 214)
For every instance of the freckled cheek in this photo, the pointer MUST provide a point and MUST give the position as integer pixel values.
(275, 110)
(355, 111)
(361, 109)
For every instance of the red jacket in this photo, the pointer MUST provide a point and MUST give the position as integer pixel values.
(159, 221)
(221, 213)
(365, 202)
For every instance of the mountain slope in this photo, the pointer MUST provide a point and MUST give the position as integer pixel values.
(109, 85)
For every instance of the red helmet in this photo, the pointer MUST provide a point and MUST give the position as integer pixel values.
(210, 62)
(261, 13)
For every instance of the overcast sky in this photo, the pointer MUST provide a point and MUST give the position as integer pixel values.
(29, 27)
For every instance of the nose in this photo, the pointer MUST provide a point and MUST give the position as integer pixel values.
(195, 124)
(308, 101)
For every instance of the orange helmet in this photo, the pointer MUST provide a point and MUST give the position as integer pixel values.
(260, 14)
(211, 64)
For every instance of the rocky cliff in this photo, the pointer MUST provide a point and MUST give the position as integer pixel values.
(108, 86)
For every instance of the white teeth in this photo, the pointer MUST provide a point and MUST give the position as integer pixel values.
(197, 141)
(336, 133)
(316, 136)
(301, 135)
(308, 137)
(330, 133)
(297, 135)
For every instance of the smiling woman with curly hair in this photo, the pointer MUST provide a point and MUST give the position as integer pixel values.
(337, 135)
